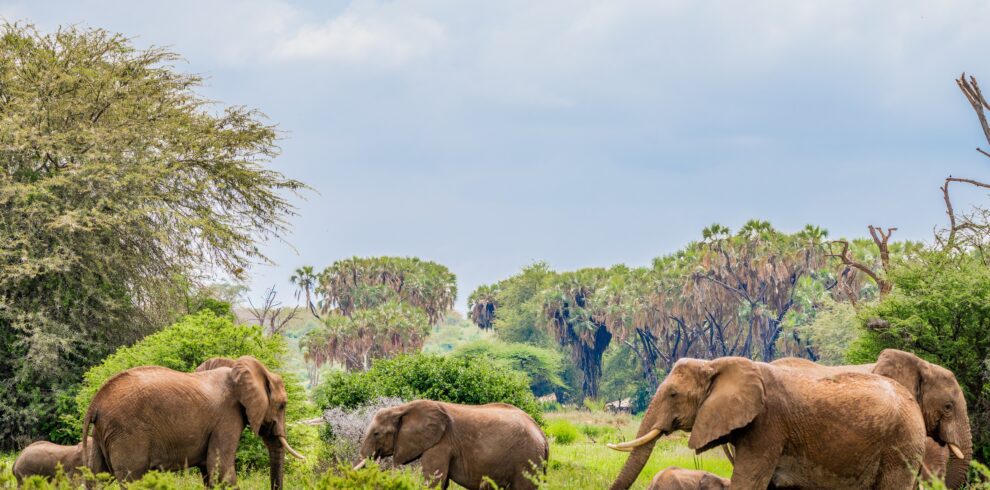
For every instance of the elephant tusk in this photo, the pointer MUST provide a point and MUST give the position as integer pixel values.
(955, 450)
(361, 464)
(639, 441)
(291, 451)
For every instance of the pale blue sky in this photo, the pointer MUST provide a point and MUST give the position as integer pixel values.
(488, 135)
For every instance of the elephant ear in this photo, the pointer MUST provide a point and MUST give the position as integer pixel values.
(251, 389)
(215, 362)
(420, 427)
(735, 396)
(904, 367)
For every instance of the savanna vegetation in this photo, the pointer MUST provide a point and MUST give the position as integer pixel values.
(123, 190)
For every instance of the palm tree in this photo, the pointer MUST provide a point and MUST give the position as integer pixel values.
(305, 280)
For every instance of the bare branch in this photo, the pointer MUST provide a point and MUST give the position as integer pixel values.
(974, 95)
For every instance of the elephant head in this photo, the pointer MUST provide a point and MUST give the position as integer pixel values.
(262, 395)
(942, 404)
(405, 431)
(708, 398)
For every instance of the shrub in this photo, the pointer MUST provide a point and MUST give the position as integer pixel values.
(544, 367)
(344, 427)
(370, 477)
(562, 431)
(186, 344)
(423, 376)
(600, 433)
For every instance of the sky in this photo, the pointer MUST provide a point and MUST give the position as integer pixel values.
(490, 135)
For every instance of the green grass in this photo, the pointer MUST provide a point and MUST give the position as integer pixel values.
(584, 463)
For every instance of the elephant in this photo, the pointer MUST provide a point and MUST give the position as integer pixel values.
(789, 429)
(674, 478)
(463, 443)
(936, 391)
(152, 417)
(43, 457)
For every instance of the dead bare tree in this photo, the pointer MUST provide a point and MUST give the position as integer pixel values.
(881, 239)
(975, 225)
(271, 315)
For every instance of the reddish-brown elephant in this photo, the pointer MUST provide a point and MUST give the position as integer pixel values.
(42, 458)
(789, 429)
(936, 391)
(151, 417)
(674, 478)
(463, 443)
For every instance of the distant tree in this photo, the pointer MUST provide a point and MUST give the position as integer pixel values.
(356, 283)
(306, 280)
(513, 308)
(568, 314)
(270, 314)
(383, 331)
(119, 184)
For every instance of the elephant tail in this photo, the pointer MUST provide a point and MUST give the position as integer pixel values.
(89, 419)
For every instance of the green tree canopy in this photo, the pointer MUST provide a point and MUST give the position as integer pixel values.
(354, 341)
(355, 283)
(117, 183)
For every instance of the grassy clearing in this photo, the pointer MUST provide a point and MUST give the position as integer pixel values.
(583, 463)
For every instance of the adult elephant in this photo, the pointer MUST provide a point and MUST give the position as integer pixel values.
(936, 391)
(850, 430)
(215, 362)
(152, 417)
(463, 443)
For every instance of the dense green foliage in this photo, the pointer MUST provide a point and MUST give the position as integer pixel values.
(412, 377)
(117, 184)
(380, 331)
(544, 367)
(371, 477)
(366, 282)
(940, 310)
(562, 431)
(184, 346)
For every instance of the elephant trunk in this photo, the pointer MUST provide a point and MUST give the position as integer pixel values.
(276, 458)
(956, 469)
(634, 466)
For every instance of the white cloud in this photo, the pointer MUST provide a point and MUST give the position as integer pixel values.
(378, 35)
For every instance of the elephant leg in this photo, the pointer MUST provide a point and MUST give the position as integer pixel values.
(436, 466)
(755, 462)
(131, 462)
(221, 453)
(205, 475)
(896, 471)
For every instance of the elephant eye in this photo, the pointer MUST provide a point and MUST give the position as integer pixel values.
(948, 406)
(673, 394)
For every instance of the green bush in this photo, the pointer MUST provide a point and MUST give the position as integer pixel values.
(184, 346)
(424, 376)
(600, 433)
(543, 366)
(371, 477)
(562, 431)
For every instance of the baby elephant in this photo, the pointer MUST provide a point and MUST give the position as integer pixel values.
(674, 478)
(463, 443)
(42, 458)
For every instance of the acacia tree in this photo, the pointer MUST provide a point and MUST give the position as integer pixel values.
(383, 331)
(355, 283)
(119, 185)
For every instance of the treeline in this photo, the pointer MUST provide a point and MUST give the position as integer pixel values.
(755, 293)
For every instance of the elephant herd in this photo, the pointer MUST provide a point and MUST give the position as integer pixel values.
(788, 423)
(794, 423)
